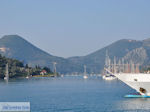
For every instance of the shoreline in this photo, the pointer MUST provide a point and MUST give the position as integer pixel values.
(49, 75)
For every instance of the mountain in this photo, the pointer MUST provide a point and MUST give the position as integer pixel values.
(14, 46)
(137, 51)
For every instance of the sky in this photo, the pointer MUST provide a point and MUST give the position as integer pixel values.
(68, 28)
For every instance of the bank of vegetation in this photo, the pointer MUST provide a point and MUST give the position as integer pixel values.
(19, 69)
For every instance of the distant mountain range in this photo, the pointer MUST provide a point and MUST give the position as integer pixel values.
(14, 46)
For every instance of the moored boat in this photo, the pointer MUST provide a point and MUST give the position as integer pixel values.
(109, 77)
(6, 73)
(138, 81)
(85, 76)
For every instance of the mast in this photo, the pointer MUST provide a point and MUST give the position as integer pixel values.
(137, 68)
(114, 65)
(107, 61)
(123, 65)
(7, 72)
(119, 66)
(84, 69)
(54, 67)
(28, 72)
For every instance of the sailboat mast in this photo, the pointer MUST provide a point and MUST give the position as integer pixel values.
(7, 72)
(84, 69)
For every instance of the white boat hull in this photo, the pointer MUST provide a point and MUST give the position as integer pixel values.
(109, 77)
(85, 76)
(5, 78)
(140, 82)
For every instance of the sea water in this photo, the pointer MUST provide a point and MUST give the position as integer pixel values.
(72, 94)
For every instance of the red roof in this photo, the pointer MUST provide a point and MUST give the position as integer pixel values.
(43, 71)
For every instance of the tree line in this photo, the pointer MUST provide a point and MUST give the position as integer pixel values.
(17, 68)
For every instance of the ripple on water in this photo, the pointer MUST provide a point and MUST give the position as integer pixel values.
(73, 94)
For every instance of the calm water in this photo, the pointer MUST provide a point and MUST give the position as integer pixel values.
(73, 94)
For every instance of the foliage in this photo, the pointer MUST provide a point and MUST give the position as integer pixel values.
(17, 69)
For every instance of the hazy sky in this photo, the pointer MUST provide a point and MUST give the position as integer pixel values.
(75, 27)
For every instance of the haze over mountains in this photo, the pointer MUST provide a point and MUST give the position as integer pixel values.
(14, 46)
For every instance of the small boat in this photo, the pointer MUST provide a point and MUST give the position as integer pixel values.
(109, 77)
(62, 75)
(85, 76)
(27, 77)
(5, 78)
(6, 73)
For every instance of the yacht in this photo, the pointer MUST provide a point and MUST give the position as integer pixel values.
(129, 73)
(109, 77)
(138, 81)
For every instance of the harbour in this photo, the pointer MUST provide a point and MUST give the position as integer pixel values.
(75, 56)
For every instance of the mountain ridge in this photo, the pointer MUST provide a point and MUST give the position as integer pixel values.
(96, 60)
(14, 46)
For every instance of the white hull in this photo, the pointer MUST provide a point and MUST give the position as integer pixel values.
(5, 78)
(85, 76)
(27, 77)
(140, 82)
(109, 77)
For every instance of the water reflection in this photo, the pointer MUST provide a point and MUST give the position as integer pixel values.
(134, 104)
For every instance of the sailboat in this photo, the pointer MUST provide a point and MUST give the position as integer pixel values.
(28, 76)
(6, 73)
(107, 75)
(85, 75)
